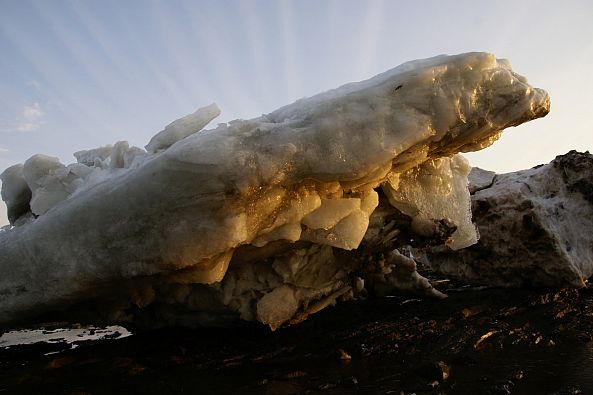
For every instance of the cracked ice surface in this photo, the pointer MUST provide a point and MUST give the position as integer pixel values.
(265, 218)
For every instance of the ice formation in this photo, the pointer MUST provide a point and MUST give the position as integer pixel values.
(268, 219)
(535, 226)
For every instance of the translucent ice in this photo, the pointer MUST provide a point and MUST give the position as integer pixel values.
(182, 128)
(436, 190)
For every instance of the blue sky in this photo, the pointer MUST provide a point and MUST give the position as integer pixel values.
(81, 74)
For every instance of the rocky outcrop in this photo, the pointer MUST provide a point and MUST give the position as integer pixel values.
(536, 227)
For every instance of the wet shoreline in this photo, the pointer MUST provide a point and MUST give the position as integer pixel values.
(477, 341)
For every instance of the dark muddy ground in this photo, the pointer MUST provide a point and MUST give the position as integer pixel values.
(478, 341)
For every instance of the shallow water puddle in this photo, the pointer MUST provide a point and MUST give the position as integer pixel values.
(67, 336)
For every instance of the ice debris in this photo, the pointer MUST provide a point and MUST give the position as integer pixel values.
(267, 219)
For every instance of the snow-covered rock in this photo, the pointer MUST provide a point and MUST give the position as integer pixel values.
(271, 218)
(536, 227)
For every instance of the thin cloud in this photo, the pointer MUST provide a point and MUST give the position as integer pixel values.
(32, 118)
(33, 84)
(3, 150)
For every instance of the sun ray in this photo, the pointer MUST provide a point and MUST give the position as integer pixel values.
(291, 76)
(221, 66)
(111, 50)
(97, 73)
(369, 38)
(258, 54)
(147, 55)
(181, 54)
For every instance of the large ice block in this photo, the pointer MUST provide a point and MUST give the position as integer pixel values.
(265, 218)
